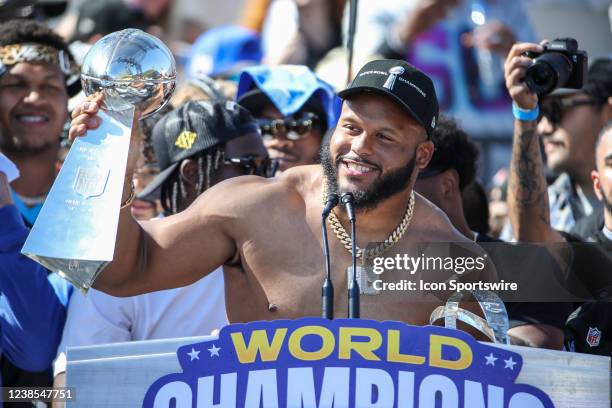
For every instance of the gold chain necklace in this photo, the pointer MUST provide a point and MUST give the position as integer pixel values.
(391, 240)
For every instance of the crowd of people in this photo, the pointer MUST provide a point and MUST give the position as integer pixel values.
(221, 210)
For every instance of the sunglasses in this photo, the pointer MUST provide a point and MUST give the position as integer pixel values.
(254, 165)
(289, 128)
(555, 109)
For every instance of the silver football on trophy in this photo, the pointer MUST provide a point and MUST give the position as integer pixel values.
(130, 67)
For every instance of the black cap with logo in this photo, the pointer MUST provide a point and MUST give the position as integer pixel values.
(192, 128)
(402, 82)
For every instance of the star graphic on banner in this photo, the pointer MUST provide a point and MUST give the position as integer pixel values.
(214, 350)
(195, 355)
(490, 359)
(509, 363)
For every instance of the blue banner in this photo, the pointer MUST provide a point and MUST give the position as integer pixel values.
(315, 362)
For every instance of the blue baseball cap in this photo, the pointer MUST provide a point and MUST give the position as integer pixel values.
(289, 88)
(224, 51)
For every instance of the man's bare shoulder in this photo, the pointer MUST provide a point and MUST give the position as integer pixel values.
(304, 179)
(434, 223)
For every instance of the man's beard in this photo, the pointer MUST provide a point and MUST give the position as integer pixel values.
(382, 188)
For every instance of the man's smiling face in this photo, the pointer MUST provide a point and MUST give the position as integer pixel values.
(33, 106)
(374, 149)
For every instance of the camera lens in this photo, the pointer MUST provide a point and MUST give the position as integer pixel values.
(548, 72)
(540, 78)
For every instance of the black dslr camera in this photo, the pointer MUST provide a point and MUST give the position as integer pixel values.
(560, 65)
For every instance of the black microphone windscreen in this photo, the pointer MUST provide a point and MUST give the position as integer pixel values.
(347, 198)
(331, 201)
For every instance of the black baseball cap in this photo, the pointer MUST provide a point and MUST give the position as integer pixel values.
(192, 128)
(405, 84)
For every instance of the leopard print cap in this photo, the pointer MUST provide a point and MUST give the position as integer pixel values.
(31, 52)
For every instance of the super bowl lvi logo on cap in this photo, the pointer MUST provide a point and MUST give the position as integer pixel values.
(393, 73)
(403, 83)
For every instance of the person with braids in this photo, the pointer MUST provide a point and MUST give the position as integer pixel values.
(203, 88)
(176, 189)
(197, 146)
(195, 149)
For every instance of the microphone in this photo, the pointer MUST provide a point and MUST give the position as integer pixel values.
(351, 38)
(330, 203)
(327, 292)
(347, 199)
(353, 291)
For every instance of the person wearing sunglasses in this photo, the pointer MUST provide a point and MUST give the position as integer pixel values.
(294, 110)
(568, 125)
(200, 144)
(588, 328)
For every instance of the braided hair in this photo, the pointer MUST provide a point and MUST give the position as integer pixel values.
(174, 187)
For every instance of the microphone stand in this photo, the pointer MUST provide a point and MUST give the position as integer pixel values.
(352, 26)
(353, 290)
(327, 291)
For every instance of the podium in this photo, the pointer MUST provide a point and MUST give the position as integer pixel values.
(121, 374)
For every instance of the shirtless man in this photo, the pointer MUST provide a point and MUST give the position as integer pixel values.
(266, 232)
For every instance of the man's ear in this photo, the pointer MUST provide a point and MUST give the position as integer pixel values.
(449, 183)
(597, 184)
(423, 154)
(188, 170)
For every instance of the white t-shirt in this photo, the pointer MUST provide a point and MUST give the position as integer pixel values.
(98, 318)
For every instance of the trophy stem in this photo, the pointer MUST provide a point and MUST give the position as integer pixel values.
(76, 229)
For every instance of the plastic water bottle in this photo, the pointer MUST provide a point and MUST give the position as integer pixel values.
(489, 63)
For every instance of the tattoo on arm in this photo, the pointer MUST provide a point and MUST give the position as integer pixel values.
(527, 184)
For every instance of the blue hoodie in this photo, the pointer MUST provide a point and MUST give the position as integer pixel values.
(32, 304)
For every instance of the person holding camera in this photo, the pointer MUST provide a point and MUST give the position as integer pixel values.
(569, 120)
(582, 120)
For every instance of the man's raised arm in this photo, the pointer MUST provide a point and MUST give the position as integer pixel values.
(162, 253)
(527, 190)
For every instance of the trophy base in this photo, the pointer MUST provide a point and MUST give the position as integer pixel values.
(495, 324)
(80, 273)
